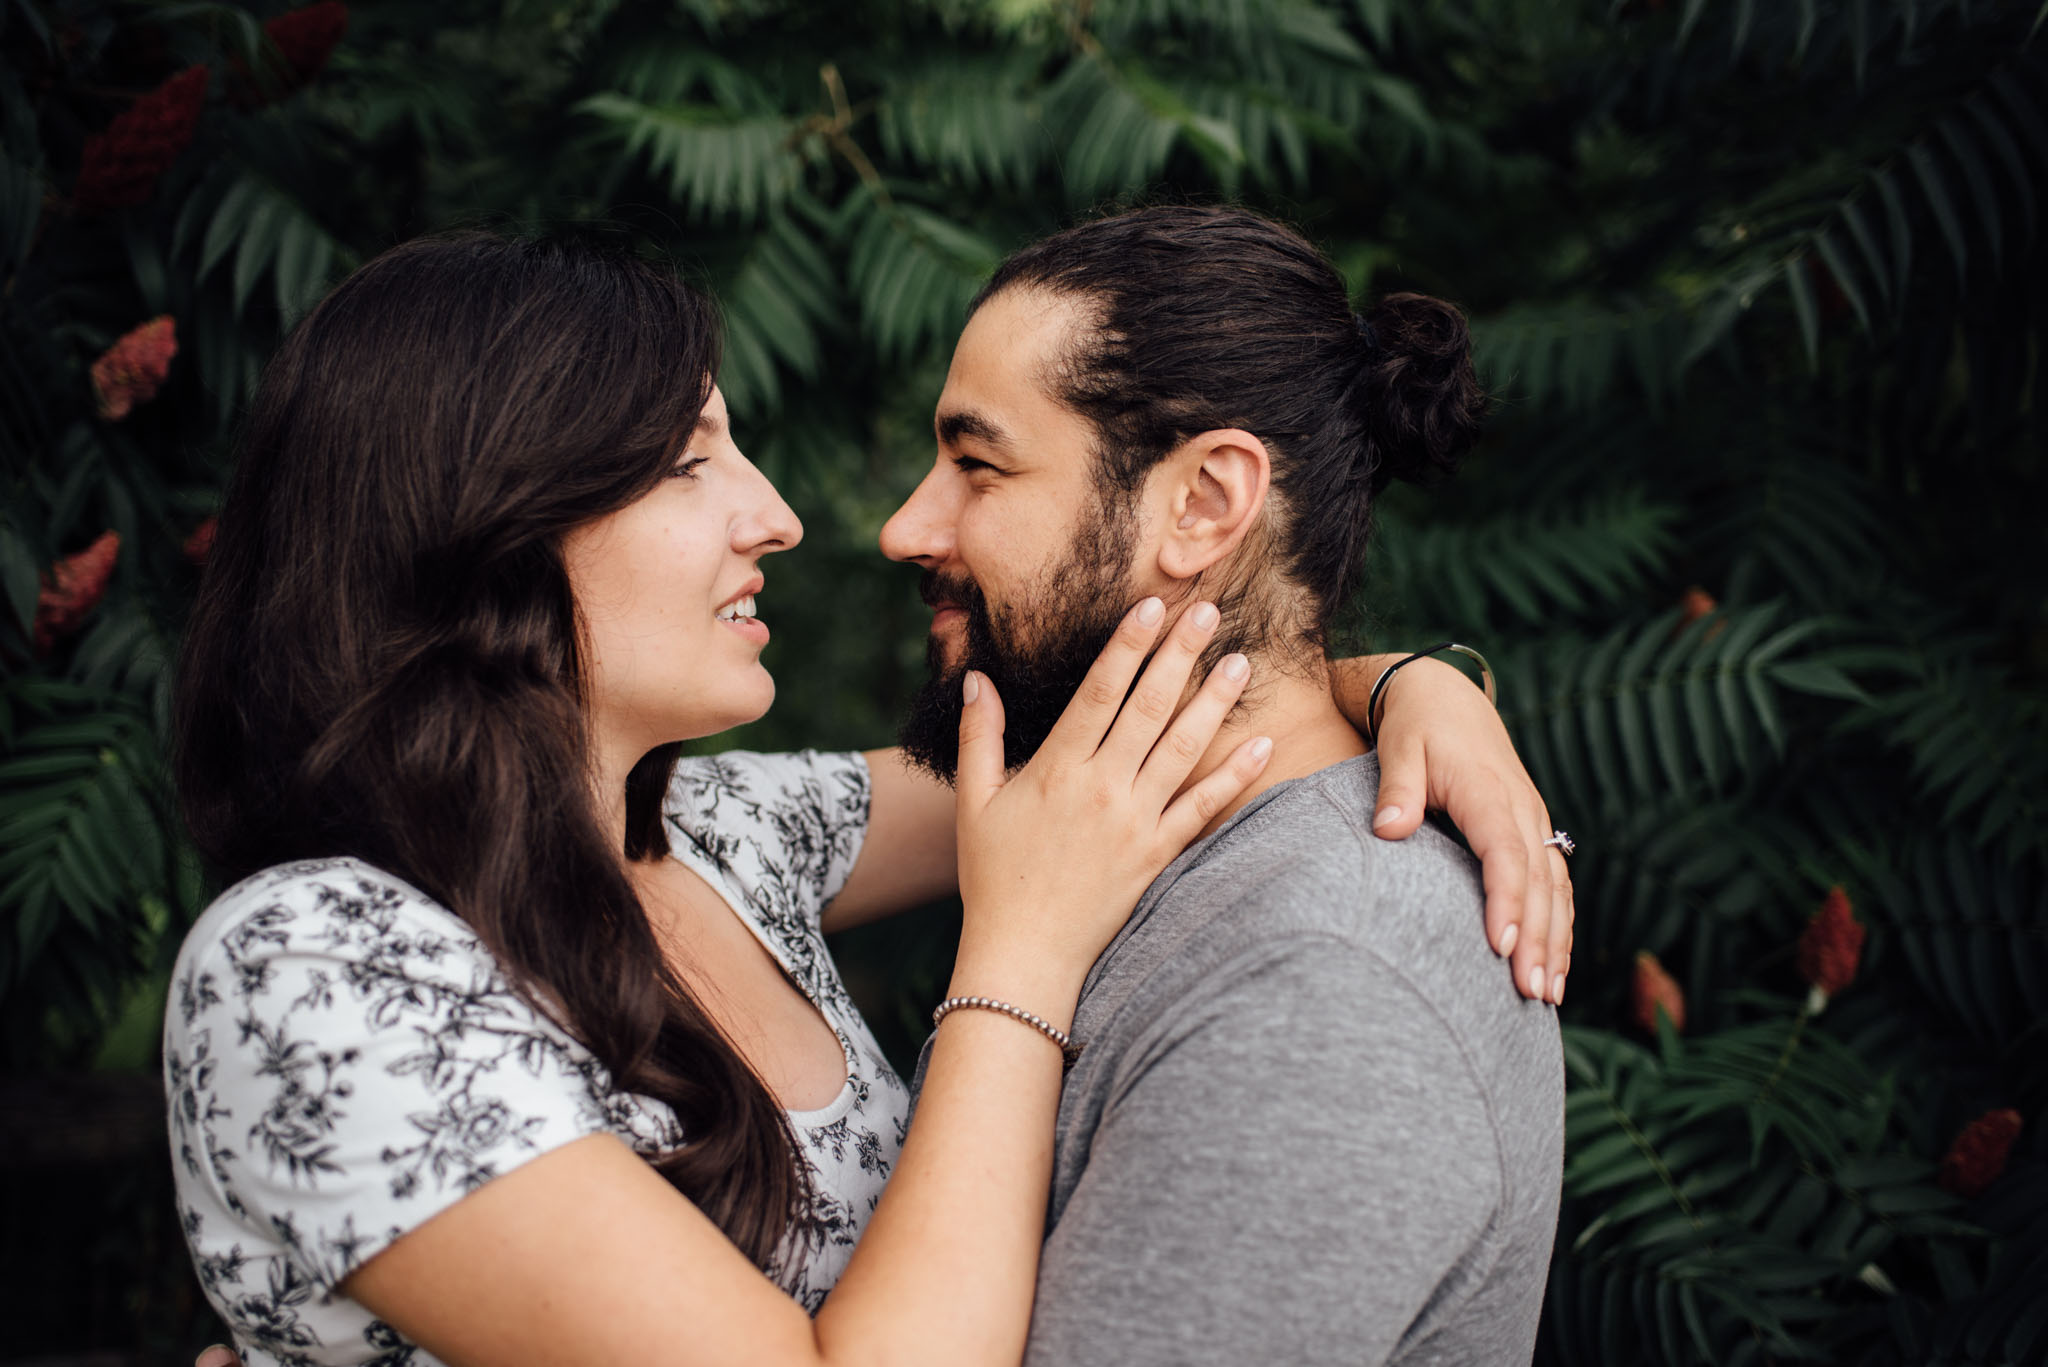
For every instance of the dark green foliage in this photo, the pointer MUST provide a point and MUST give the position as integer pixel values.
(1756, 542)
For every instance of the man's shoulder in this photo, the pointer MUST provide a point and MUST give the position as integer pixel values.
(1303, 879)
(1305, 861)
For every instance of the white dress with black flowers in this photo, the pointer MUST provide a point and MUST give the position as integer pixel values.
(344, 1061)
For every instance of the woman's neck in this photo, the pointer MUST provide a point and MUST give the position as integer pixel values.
(611, 765)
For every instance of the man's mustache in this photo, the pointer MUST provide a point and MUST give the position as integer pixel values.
(956, 590)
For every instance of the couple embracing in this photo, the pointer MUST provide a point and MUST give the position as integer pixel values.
(518, 1040)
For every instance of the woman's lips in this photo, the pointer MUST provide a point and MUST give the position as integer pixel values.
(753, 628)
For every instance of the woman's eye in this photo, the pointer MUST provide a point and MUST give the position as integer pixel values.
(687, 469)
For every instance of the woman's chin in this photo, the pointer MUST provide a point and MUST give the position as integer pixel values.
(748, 706)
(767, 693)
(742, 701)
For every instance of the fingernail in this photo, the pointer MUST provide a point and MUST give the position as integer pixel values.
(1235, 667)
(1536, 982)
(1507, 940)
(1150, 611)
(970, 687)
(1204, 615)
(1557, 990)
(1261, 748)
(1387, 817)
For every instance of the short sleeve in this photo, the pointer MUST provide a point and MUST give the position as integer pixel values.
(345, 1061)
(781, 831)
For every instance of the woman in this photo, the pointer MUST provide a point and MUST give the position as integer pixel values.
(488, 557)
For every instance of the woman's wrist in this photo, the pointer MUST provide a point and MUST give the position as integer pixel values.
(1026, 978)
(1353, 680)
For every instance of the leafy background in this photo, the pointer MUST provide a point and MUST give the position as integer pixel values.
(1756, 539)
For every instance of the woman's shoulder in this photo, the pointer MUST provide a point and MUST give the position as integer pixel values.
(336, 981)
(344, 1060)
(324, 882)
(337, 885)
(777, 835)
(746, 787)
(342, 910)
(786, 828)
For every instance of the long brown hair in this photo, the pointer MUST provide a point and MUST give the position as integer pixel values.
(383, 660)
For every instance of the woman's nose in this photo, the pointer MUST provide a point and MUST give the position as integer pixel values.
(772, 525)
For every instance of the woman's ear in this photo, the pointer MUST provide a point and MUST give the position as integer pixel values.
(1216, 489)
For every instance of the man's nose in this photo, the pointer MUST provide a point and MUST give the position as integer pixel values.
(922, 529)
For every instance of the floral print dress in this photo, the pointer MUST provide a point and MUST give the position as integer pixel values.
(345, 1060)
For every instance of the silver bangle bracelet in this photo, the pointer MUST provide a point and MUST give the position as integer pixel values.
(1069, 1051)
(1379, 685)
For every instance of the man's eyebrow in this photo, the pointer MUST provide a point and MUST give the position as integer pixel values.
(709, 426)
(952, 427)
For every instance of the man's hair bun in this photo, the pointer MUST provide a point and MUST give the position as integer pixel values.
(1425, 398)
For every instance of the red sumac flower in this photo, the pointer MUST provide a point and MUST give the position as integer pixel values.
(121, 166)
(1831, 945)
(1656, 989)
(74, 588)
(304, 39)
(134, 368)
(1978, 1155)
(200, 544)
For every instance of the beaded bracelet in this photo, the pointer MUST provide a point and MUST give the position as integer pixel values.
(1379, 685)
(1069, 1051)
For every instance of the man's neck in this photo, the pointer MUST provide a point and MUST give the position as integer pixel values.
(1301, 717)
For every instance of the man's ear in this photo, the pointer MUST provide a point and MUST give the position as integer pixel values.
(1215, 490)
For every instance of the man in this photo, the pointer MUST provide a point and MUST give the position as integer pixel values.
(1312, 1120)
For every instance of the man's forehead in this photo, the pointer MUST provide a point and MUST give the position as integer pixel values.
(1014, 342)
(999, 389)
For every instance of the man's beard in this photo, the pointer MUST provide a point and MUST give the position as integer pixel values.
(1035, 653)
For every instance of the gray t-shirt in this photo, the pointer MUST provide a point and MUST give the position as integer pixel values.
(1314, 1122)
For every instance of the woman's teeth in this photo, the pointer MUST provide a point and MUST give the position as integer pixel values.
(732, 612)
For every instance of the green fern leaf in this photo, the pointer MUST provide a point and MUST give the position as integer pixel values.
(266, 231)
(778, 306)
(714, 164)
(78, 799)
(913, 272)
(1853, 218)
(1991, 125)
(1935, 189)
(1844, 278)
(1122, 123)
(1572, 353)
(1801, 290)
(1535, 564)
(1977, 178)
(971, 120)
